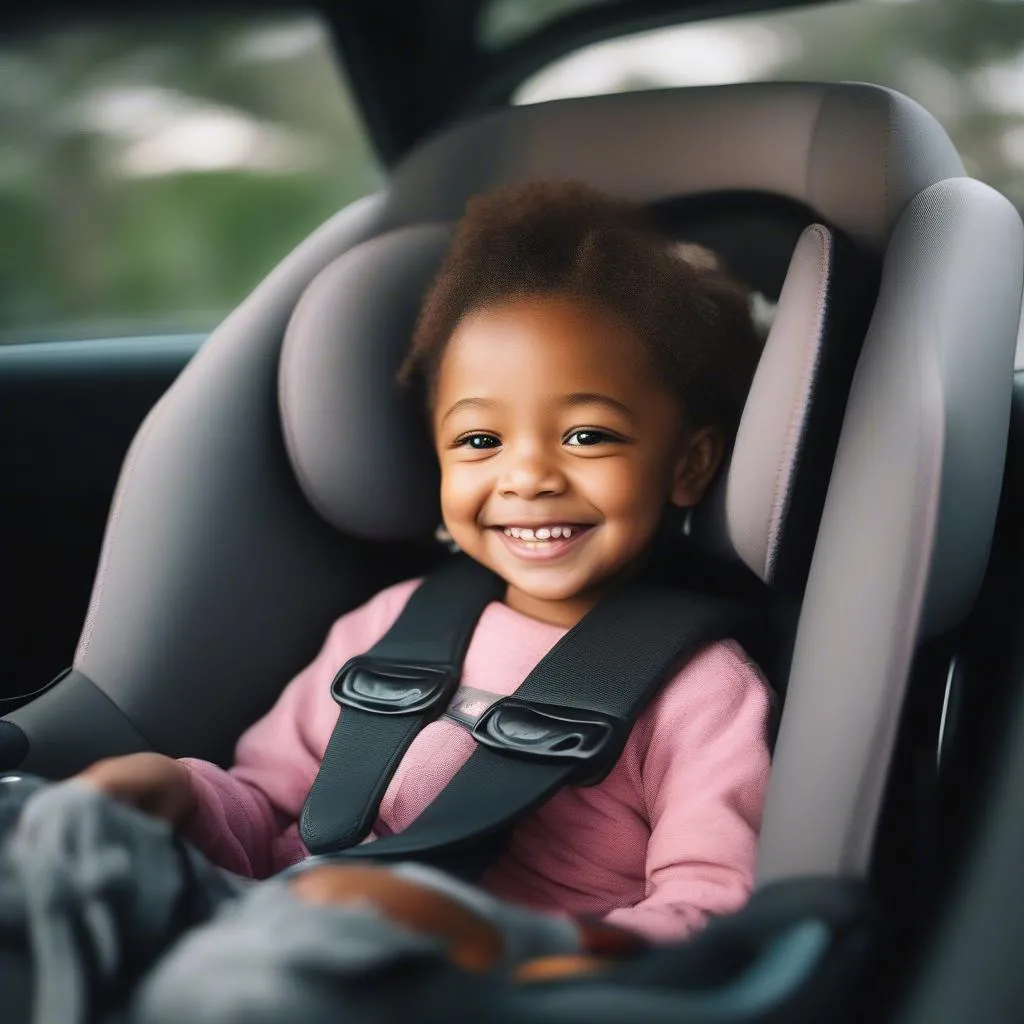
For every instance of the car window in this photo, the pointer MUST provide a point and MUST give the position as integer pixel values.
(151, 176)
(962, 59)
(501, 23)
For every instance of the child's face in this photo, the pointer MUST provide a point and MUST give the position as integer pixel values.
(548, 418)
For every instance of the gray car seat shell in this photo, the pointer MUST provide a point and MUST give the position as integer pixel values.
(855, 154)
(231, 546)
(907, 523)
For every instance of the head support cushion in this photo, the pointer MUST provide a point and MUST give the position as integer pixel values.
(765, 504)
(854, 153)
(359, 446)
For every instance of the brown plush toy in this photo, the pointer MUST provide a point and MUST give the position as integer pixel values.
(474, 942)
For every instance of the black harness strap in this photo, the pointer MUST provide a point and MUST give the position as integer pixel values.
(567, 723)
(388, 695)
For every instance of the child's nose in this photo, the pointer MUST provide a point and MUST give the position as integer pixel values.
(531, 475)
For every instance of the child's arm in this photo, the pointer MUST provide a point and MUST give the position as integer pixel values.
(240, 813)
(704, 777)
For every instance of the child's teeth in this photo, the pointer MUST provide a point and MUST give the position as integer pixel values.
(543, 533)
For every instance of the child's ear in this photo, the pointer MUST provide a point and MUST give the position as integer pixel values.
(698, 461)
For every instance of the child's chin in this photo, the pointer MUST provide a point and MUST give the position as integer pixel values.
(542, 590)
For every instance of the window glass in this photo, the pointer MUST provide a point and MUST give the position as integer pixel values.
(503, 22)
(962, 59)
(150, 177)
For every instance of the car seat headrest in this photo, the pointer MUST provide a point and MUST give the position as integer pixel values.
(762, 473)
(764, 506)
(359, 446)
(852, 152)
(360, 449)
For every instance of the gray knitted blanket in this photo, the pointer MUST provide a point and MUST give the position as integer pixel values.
(106, 916)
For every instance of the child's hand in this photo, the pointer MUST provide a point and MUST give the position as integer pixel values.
(153, 783)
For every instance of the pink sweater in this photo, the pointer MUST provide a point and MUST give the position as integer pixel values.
(668, 838)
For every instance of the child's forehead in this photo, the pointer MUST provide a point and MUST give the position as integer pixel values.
(551, 333)
(505, 360)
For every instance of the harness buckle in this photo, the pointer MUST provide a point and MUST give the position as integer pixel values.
(392, 688)
(552, 733)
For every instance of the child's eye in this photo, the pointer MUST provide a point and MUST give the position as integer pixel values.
(588, 438)
(478, 442)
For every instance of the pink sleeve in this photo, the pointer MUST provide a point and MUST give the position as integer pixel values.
(704, 775)
(242, 811)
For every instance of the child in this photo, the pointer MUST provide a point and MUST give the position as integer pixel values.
(581, 379)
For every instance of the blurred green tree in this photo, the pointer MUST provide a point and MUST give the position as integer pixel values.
(961, 59)
(97, 240)
(149, 176)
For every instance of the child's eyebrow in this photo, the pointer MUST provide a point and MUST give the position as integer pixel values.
(469, 403)
(595, 398)
(571, 400)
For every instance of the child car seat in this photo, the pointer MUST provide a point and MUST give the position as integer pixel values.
(282, 479)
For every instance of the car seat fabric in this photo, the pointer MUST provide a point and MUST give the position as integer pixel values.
(221, 567)
(763, 466)
(337, 388)
(855, 154)
(763, 508)
(907, 523)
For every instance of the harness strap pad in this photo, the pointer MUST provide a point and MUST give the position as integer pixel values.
(405, 681)
(567, 723)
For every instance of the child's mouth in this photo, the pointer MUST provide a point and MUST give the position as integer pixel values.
(542, 542)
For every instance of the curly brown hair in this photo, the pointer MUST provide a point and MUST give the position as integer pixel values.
(565, 238)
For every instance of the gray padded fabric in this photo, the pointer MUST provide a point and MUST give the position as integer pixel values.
(908, 519)
(207, 484)
(357, 443)
(72, 715)
(856, 154)
(759, 479)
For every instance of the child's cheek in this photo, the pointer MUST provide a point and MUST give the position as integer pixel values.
(462, 495)
(616, 487)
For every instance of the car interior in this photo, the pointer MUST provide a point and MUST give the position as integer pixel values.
(184, 514)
